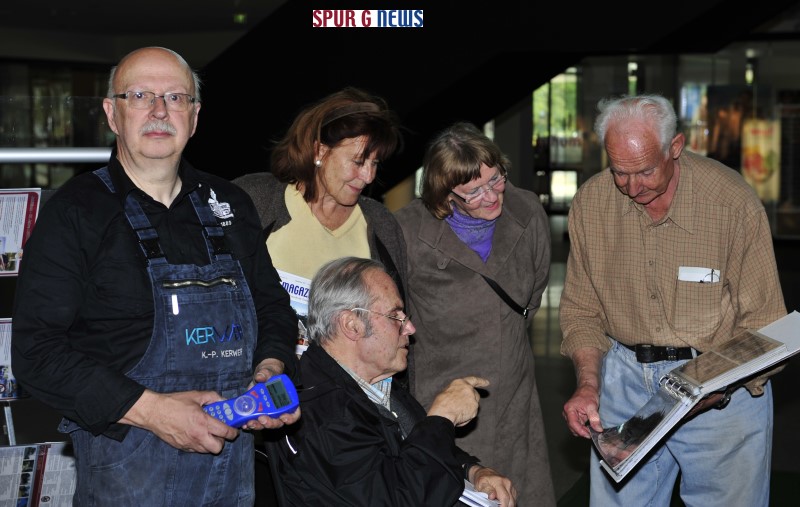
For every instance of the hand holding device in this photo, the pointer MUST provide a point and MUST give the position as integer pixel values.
(274, 397)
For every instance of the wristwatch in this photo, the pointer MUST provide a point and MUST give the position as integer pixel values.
(467, 466)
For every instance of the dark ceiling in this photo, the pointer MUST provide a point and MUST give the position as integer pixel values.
(467, 63)
(134, 18)
(471, 60)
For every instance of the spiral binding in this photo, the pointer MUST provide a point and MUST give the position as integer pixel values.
(677, 388)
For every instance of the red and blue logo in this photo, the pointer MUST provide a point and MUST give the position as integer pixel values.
(350, 18)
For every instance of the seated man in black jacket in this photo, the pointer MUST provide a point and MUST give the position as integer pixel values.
(360, 442)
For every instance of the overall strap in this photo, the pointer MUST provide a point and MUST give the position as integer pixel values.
(215, 237)
(148, 237)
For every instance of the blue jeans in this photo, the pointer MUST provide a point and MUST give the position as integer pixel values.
(724, 456)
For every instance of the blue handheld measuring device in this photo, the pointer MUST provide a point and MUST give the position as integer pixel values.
(274, 397)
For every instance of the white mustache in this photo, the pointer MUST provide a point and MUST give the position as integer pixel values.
(159, 126)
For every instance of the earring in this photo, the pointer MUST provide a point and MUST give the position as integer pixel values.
(318, 163)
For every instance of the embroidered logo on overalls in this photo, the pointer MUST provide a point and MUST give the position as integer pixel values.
(222, 210)
(204, 335)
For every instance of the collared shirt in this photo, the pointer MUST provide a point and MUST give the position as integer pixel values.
(622, 273)
(379, 393)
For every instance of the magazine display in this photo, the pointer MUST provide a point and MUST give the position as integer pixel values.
(298, 287)
(37, 475)
(622, 447)
(9, 389)
(19, 208)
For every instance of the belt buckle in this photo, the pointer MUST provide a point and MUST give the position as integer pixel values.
(645, 353)
(672, 353)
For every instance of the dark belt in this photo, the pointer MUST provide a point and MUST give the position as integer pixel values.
(646, 353)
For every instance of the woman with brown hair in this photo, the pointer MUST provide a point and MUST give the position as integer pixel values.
(311, 204)
(478, 263)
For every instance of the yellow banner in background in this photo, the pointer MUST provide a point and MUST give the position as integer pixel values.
(761, 156)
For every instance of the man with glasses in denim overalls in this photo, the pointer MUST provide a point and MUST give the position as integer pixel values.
(147, 293)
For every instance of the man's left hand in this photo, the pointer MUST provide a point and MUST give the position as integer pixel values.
(265, 370)
(493, 484)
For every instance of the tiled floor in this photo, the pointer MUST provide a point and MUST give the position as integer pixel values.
(554, 373)
(556, 380)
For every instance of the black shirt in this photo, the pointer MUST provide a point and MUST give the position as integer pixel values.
(83, 311)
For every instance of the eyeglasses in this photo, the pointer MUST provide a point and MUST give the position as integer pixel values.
(178, 102)
(402, 320)
(497, 184)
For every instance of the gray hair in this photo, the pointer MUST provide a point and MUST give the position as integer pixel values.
(339, 286)
(195, 77)
(652, 108)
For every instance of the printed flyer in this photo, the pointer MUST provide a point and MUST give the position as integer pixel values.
(297, 287)
(8, 385)
(19, 208)
(37, 475)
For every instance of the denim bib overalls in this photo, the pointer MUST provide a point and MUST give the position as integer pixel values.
(204, 335)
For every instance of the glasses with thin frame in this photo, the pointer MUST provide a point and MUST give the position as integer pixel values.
(497, 184)
(178, 102)
(402, 320)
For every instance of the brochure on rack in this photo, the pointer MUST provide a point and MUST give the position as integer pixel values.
(622, 447)
(37, 475)
(9, 389)
(19, 208)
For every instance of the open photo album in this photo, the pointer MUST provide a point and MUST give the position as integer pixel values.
(745, 355)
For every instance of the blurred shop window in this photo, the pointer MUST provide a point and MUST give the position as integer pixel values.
(693, 111)
(42, 106)
(563, 185)
(633, 78)
(788, 214)
(557, 140)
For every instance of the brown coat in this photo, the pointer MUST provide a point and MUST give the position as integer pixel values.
(465, 328)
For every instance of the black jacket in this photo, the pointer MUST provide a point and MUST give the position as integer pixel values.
(349, 454)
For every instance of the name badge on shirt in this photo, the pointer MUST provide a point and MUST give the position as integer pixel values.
(697, 274)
